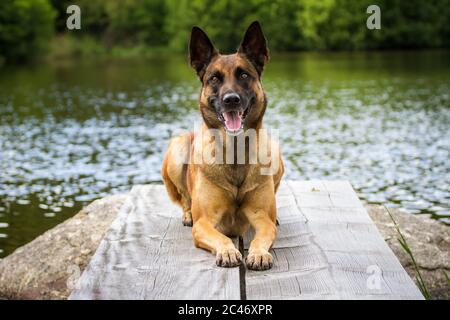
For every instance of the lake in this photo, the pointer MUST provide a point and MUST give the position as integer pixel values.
(72, 131)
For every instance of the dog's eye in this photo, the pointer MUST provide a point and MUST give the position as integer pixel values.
(244, 75)
(214, 79)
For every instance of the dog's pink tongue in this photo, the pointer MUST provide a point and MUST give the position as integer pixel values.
(232, 120)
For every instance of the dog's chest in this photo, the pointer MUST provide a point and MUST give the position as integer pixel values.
(235, 174)
(231, 177)
(228, 176)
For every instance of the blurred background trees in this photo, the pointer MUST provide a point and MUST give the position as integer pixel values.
(27, 27)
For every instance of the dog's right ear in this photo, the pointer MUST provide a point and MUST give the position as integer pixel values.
(201, 51)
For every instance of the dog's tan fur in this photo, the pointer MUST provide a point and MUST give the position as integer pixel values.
(222, 200)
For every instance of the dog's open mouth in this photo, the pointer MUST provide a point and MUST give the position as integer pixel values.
(234, 121)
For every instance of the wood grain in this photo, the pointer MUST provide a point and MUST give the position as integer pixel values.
(327, 247)
(149, 254)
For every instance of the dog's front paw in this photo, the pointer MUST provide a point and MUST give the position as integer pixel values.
(259, 260)
(187, 219)
(228, 258)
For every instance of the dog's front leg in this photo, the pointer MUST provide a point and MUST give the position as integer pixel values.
(209, 238)
(258, 257)
(260, 210)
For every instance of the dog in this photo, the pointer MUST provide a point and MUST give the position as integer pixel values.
(225, 199)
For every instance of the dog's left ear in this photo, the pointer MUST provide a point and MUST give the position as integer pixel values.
(254, 46)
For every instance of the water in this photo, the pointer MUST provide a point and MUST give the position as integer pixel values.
(73, 131)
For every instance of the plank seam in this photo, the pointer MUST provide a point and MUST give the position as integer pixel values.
(242, 271)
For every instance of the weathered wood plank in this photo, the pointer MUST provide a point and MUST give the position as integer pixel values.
(328, 248)
(149, 254)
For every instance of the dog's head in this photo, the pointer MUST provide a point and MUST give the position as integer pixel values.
(232, 96)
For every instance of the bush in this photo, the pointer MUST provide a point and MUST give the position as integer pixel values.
(25, 28)
(311, 24)
(140, 26)
(124, 22)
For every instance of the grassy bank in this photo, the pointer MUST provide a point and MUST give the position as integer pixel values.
(67, 46)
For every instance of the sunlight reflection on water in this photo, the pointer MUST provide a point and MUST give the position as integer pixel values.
(65, 142)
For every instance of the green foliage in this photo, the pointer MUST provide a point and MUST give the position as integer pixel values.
(346, 25)
(26, 25)
(223, 20)
(311, 19)
(25, 28)
(447, 278)
(125, 22)
(60, 7)
(414, 23)
(311, 24)
(402, 241)
(136, 21)
(226, 21)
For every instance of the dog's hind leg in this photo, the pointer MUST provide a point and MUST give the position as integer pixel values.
(182, 200)
(174, 175)
(187, 215)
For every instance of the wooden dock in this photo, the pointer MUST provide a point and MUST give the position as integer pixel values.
(327, 248)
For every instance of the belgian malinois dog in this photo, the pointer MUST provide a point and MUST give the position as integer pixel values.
(223, 199)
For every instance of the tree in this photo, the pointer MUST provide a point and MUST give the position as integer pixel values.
(25, 28)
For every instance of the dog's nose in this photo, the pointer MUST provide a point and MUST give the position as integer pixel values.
(231, 99)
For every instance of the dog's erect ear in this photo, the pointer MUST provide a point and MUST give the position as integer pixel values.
(254, 46)
(201, 51)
